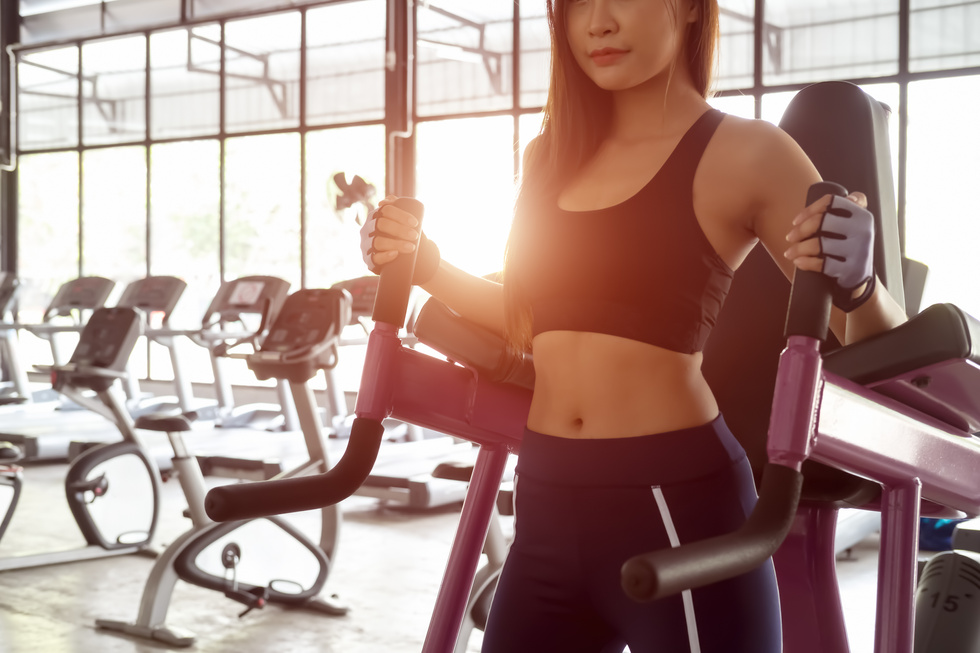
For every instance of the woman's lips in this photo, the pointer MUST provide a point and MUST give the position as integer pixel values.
(606, 56)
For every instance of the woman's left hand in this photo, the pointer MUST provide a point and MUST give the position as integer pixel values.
(835, 236)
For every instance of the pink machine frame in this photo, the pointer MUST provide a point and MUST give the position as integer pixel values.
(886, 432)
(816, 415)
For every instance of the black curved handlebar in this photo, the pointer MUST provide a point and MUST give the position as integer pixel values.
(810, 297)
(263, 498)
(665, 572)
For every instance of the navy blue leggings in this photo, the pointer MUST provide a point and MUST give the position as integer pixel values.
(585, 506)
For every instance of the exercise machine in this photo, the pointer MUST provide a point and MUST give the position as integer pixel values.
(239, 316)
(404, 474)
(112, 489)
(65, 314)
(891, 417)
(11, 482)
(17, 389)
(470, 405)
(69, 310)
(62, 435)
(267, 560)
(156, 297)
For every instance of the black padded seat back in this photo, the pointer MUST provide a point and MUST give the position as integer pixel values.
(844, 132)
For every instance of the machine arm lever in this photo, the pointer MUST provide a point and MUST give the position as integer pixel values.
(264, 498)
(657, 574)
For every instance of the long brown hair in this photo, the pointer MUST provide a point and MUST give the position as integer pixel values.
(576, 120)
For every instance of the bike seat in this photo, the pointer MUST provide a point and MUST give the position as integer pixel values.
(166, 422)
(10, 453)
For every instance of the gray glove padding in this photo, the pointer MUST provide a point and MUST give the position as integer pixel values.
(846, 237)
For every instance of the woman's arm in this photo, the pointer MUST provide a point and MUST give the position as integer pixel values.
(781, 177)
(478, 300)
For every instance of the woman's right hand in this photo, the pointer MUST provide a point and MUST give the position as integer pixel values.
(388, 232)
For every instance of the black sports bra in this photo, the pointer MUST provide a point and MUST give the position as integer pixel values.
(642, 269)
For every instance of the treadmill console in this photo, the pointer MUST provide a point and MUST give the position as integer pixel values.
(303, 338)
(106, 343)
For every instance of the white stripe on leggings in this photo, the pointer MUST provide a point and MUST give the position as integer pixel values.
(692, 627)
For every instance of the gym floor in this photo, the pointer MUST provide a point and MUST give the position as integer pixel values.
(388, 570)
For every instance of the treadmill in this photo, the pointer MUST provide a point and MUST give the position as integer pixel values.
(66, 313)
(259, 436)
(16, 389)
(48, 436)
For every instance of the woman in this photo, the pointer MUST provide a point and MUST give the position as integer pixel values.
(637, 204)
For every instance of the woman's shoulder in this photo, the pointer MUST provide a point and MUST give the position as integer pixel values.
(754, 136)
(758, 148)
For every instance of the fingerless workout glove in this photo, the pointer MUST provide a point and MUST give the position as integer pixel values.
(846, 237)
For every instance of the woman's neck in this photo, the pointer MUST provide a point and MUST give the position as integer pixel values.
(656, 109)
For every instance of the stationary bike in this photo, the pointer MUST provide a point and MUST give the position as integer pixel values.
(112, 489)
(11, 482)
(265, 560)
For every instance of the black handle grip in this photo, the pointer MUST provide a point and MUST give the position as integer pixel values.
(264, 498)
(395, 284)
(811, 296)
(666, 572)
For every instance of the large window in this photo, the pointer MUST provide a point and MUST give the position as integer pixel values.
(206, 143)
(262, 198)
(332, 239)
(48, 244)
(262, 72)
(465, 56)
(806, 41)
(185, 82)
(48, 251)
(113, 83)
(944, 34)
(184, 224)
(345, 60)
(942, 229)
(736, 63)
(468, 192)
(47, 99)
(114, 213)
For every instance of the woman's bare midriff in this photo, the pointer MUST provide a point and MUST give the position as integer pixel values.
(591, 385)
